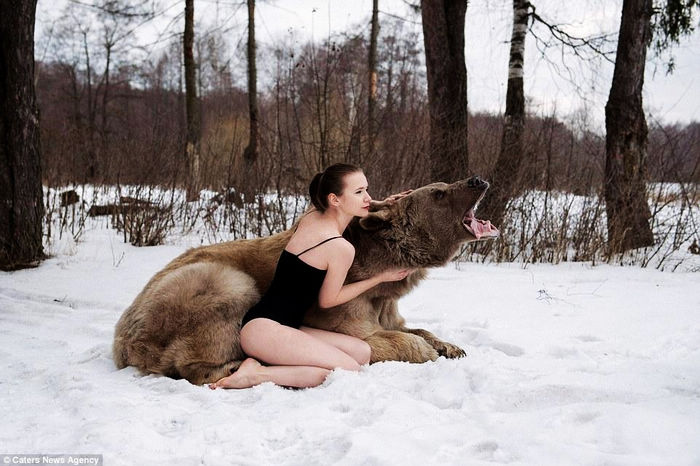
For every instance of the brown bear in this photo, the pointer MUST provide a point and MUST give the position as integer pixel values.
(186, 321)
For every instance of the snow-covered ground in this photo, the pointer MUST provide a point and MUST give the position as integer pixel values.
(567, 364)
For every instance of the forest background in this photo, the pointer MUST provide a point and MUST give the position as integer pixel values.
(111, 90)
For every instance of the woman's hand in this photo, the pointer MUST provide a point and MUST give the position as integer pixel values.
(389, 201)
(395, 197)
(395, 275)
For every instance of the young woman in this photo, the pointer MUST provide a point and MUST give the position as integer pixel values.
(313, 266)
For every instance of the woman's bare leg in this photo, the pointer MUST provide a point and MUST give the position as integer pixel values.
(279, 345)
(358, 349)
(296, 358)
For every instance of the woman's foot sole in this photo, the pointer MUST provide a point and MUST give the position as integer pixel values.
(246, 376)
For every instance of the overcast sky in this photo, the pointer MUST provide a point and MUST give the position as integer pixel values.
(549, 84)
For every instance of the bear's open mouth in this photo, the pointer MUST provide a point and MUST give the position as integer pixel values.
(477, 227)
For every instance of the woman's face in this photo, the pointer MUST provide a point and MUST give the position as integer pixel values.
(355, 199)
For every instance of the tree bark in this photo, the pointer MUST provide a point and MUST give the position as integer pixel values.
(91, 162)
(250, 154)
(626, 134)
(21, 199)
(372, 84)
(505, 177)
(192, 141)
(443, 36)
(105, 94)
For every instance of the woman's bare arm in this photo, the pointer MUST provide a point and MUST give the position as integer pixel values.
(334, 293)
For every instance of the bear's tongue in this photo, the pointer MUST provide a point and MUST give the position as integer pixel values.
(479, 228)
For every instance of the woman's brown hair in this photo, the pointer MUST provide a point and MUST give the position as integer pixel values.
(329, 181)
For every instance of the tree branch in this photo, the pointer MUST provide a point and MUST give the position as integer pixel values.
(575, 43)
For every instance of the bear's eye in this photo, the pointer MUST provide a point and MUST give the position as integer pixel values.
(438, 195)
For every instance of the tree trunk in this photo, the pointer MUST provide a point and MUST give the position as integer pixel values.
(21, 199)
(626, 139)
(91, 150)
(250, 154)
(191, 105)
(443, 36)
(105, 93)
(505, 177)
(372, 84)
(104, 144)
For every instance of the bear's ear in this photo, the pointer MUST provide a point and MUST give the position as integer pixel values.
(376, 220)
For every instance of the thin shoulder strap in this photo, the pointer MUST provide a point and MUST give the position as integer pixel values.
(324, 241)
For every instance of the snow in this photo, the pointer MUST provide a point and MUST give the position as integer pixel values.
(567, 364)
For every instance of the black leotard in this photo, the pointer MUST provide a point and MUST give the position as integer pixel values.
(293, 290)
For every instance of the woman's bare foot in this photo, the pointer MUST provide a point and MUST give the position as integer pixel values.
(247, 375)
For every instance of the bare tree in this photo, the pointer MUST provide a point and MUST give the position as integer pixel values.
(117, 19)
(626, 128)
(505, 175)
(21, 203)
(250, 154)
(91, 152)
(192, 141)
(372, 84)
(443, 36)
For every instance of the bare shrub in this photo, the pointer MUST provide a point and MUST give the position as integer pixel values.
(145, 216)
(555, 227)
(61, 218)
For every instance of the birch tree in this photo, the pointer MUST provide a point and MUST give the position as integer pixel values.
(504, 179)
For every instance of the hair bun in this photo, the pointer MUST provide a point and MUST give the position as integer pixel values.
(314, 189)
